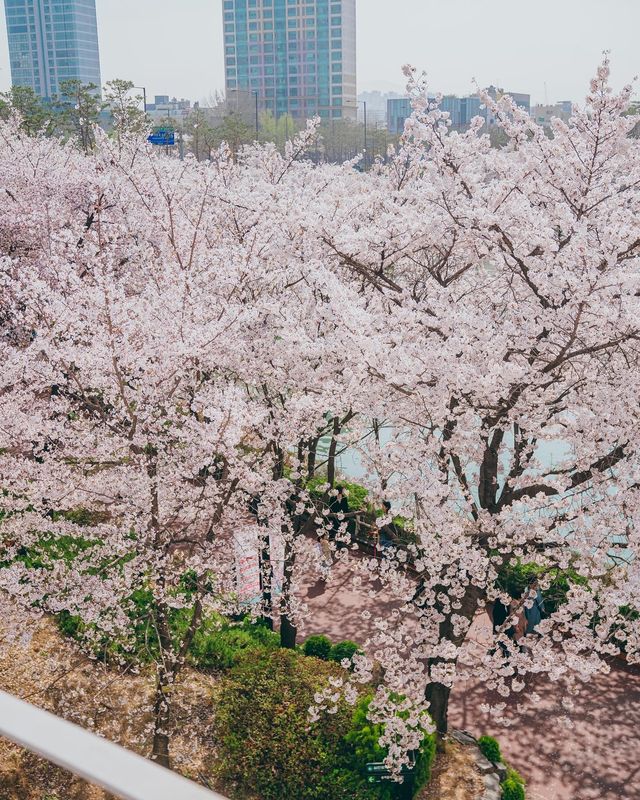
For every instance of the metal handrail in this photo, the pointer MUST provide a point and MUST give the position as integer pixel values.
(91, 757)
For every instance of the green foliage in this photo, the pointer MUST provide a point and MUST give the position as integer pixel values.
(342, 783)
(70, 625)
(365, 735)
(343, 650)
(34, 113)
(221, 647)
(278, 130)
(78, 108)
(515, 579)
(127, 117)
(265, 745)
(200, 135)
(618, 631)
(318, 646)
(217, 644)
(234, 131)
(513, 786)
(490, 749)
(357, 498)
(364, 738)
(50, 548)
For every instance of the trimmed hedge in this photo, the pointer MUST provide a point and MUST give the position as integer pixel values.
(490, 749)
(318, 646)
(265, 745)
(364, 737)
(343, 650)
(266, 748)
(513, 786)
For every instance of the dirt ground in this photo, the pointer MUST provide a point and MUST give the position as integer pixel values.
(454, 776)
(50, 673)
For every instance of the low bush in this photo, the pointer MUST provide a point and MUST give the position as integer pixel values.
(343, 650)
(364, 738)
(318, 646)
(217, 644)
(512, 786)
(357, 494)
(490, 749)
(220, 647)
(267, 748)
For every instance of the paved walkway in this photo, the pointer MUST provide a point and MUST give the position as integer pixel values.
(597, 759)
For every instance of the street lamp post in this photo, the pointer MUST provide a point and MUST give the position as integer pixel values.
(255, 94)
(144, 96)
(364, 103)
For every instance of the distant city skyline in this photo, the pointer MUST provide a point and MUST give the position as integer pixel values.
(549, 49)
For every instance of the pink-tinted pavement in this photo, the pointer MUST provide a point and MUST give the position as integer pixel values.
(598, 758)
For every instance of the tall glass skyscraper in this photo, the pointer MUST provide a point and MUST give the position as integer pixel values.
(51, 41)
(299, 56)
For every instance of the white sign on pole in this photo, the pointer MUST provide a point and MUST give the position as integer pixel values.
(247, 557)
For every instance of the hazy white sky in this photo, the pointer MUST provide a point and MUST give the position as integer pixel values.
(175, 46)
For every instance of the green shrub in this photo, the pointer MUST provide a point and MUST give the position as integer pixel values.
(265, 745)
(515, 578)
(217, 643)
(364, 738)
(343, 650)
(318, 646)
(357, 498)
(340, 784)
(512, 789)
(490, 749)
(220, 646)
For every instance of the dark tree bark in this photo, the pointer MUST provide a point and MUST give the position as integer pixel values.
(288, 630)
(437, 695)
(266, 581)
(161, 722)
(331, 459)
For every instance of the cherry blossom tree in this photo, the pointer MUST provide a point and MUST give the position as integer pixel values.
(506, 366)
(133, 422)
(178, 337)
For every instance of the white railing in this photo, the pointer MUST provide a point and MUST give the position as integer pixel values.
(97, 760)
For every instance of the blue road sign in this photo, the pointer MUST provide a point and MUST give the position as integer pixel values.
(164, 138)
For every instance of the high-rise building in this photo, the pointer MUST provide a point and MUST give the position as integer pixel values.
(51, 41)
(398, 111)
(297, 56)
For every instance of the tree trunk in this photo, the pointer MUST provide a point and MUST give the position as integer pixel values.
(161, 723)
(311, 457)
(288, 633)
(288, 630)
(331, 459)
(437, 694)
(266, 580)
